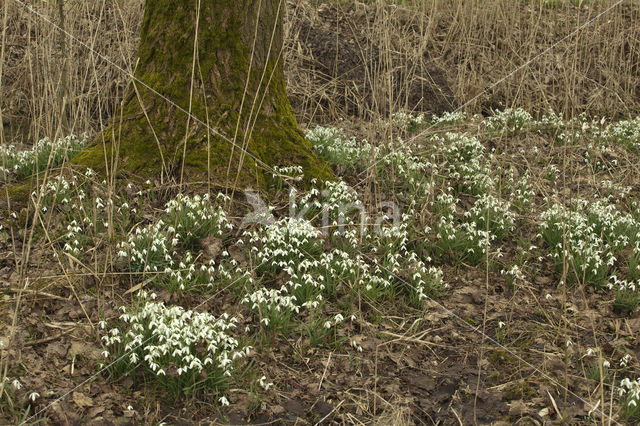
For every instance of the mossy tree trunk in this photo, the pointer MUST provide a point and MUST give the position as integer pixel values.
(235, 86)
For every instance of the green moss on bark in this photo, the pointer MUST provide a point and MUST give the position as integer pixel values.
(19, 192)
(225, 41)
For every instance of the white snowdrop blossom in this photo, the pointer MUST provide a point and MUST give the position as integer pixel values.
(511, 120)
(169, 338)
(148, 248)
(18, 164)
(194, 218)
(595, 232)
(264, 384)
(629, 392)
(334, 147)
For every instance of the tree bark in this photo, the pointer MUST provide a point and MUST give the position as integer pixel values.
(236, 88)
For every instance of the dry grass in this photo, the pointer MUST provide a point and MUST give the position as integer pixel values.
(348, 58)
(475, 44)
(364, 60)
(54, 85)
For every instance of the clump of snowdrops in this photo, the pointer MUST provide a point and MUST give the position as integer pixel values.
(18, 164)
(183, 351)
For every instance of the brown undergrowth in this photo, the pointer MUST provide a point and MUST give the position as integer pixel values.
(517, 336)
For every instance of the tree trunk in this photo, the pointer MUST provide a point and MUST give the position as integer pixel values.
(236, 88)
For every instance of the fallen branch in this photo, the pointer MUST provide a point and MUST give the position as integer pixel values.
(37, 293)
(48, 339)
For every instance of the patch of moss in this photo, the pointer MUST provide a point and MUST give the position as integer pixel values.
(520, 390)
(470, 321)
(500, 357)
(19, 192)
(256, 117)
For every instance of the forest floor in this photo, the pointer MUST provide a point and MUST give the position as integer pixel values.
(454, 308)
(461, 269)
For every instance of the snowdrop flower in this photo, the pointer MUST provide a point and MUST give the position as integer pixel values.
(173, 333)
(264, 384)
(625, 360)
(33, 396)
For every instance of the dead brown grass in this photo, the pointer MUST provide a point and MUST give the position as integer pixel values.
(53, 83)
(368, 59)
(488, 54)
